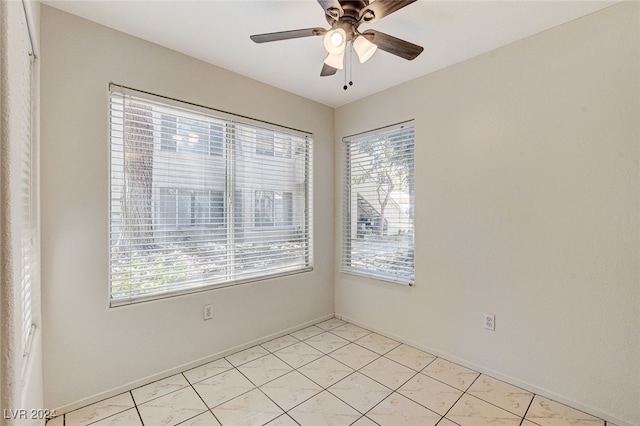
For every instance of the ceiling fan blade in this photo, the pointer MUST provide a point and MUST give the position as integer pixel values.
(286, 35)
(327, 70)
(393, 45)
(381, 8)
(333, 8)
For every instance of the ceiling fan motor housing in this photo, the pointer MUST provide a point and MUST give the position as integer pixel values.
(350, 19)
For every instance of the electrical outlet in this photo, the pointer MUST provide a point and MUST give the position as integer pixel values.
(489, 322)
(207, 312)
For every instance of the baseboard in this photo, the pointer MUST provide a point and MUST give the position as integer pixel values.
(495, 374)
(161, 375)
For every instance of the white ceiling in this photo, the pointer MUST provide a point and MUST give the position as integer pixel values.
(217, 32)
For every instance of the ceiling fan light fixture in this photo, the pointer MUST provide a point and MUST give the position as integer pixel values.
(364, 48)
(335, 41)
(335, 60)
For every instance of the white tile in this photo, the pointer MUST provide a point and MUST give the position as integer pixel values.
(126, 418)
(247, 355)
(410, 357)
(172, 408)
(447, 422)
(279, 343)
(431, 393)
(223, 387)
(360, 392)
(545, 412)
(364, 421)
(99, 410)
(324, 409)
(298, 355)
(326, 342)
(159, 388)
(265, 369)
(354, 356)
(331, 323)
(377, 343)
(204, 419)
(452, 374)
(399, 410)
(471, 411)
(305, 333)
(389, 373)
(502, 394)
(350, 332)
(207, 370)
(250, 409)
(291, 389)
(283, 420)
(325, 371)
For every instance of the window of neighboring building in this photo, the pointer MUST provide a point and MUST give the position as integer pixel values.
(201, 198)
(273, 144)
(191, 136)
(378, 213)
(182, 207)
(273, 208)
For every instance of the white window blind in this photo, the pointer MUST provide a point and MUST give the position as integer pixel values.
(28, 183)
(378, 206)
(201, 198)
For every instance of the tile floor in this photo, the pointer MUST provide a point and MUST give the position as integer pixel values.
(332, 373)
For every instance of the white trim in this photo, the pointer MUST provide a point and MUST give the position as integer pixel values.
(495, 374)
(187, 366)
(381, 278)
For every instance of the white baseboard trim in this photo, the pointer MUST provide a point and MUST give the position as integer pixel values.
(161, 375)
(495, 374)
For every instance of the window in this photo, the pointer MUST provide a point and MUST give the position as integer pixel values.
(273, 208)
(264, 208)
(273, 144)
(378, 210)
(195, 201)
(182, 207)
(181, 134)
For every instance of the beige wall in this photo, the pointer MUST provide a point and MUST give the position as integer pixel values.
(527, 203)
(90, 349)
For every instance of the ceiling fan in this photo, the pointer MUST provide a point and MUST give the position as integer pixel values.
(345, 16)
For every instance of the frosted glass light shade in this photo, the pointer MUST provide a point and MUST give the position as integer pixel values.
(364, 48)
(335, 41)
(335, 61)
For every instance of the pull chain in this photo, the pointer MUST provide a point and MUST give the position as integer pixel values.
(345, 87)
(349, 64)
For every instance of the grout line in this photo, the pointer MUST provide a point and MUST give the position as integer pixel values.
(524, 416)
(201, 399)
(135, 405)
(330, 356)
(496, 405)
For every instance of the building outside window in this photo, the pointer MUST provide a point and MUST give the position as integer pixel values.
(273, 144)
(185, 212)
(378, 207)
(273, 208)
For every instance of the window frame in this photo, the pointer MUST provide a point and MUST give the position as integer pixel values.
(234, 207)
(351, 197)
